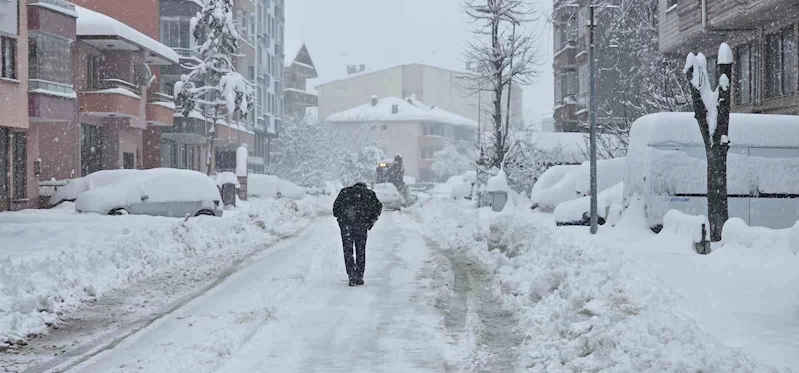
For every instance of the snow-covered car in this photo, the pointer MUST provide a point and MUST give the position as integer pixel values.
(578, 211)
(575, 183)
(158, 192)
(389, 196)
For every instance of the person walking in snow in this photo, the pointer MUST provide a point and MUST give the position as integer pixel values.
(357, 210)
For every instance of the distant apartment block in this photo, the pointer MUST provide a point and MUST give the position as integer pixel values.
(445, 89)
(299, 67)
(764, 37)
(409, 128)
(571, 68)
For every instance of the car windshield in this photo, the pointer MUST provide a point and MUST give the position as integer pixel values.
(540, 185)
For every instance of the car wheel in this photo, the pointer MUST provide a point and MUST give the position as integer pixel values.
(205, 213)
(118, 212)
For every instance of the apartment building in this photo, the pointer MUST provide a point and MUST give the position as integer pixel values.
(763, 34)
(18, 188)
(261, 24)
(572, 72)
(298, 68)
(410, 128)
(446, 89)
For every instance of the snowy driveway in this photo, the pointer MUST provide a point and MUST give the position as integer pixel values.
(290, 310)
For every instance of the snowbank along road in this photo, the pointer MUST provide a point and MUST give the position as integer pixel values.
(290, 310)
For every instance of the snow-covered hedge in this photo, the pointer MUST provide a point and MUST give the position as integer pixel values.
(737, 232)
(82, 257)
(583, 307)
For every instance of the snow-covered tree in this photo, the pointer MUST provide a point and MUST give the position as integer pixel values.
(359, 164)
(213, 83)
(453, 160)
(503, 53)
(712, 112)
(527, 160)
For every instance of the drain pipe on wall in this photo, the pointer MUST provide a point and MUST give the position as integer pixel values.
(704, 14)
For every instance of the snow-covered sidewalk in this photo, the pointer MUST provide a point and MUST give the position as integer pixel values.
(584, 305)
(54, 261)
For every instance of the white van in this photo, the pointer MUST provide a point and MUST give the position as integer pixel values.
(667, 168)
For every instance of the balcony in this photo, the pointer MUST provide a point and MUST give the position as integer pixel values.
(741, 15)
(160, 110)
(50, 102)
(300, 98)
(111, 98)
(566, 58)
(60, 6)
(566, 110)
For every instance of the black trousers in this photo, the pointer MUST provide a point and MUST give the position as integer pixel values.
(354, 235)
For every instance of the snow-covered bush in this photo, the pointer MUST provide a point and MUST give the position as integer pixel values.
(686, 226)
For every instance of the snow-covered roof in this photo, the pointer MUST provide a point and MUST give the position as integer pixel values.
(92, 25)
(292, 48)
(408, 110)
(749, 130)
(459, 72)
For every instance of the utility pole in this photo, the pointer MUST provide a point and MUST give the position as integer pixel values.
(592, 111)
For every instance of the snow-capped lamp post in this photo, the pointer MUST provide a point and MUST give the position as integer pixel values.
(712, 112)
(242, 153)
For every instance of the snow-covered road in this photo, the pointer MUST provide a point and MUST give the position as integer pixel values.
(290, 310)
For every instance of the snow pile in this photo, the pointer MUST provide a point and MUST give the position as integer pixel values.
(55, 260)
(456, 187)
(737, 233)
(574, 210)
(686, 226)
(498, 182)
(156, 185)
(270, 186)
(583, 307)
(227, 178)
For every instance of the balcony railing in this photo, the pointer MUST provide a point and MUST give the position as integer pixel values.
(59, 4)
(187, 53)
(161, 97)
(104, 84)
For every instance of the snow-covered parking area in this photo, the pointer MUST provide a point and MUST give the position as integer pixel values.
(55, 261)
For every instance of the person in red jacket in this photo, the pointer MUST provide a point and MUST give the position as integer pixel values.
(357, 210)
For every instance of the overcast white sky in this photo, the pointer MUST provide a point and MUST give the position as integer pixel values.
(381, 33)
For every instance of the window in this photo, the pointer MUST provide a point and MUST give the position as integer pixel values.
(20, 142)
(3, 165)
(171, 30)
(90, 149)
(128, 161)
(8, 58)
(744, 74)
(712, 71)
(50, 58)
(780, 59)
(93, 69)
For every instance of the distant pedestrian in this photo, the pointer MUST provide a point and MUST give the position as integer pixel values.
(357, 210)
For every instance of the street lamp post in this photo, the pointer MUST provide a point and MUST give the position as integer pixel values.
(592, 111)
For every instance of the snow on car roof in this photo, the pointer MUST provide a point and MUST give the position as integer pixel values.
(407, 111)
(749, 130)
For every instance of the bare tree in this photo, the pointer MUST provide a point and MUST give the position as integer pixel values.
(503, 53)
(712, 112)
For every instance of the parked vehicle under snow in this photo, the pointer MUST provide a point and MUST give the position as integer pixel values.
(667, 168)
(159, 192)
